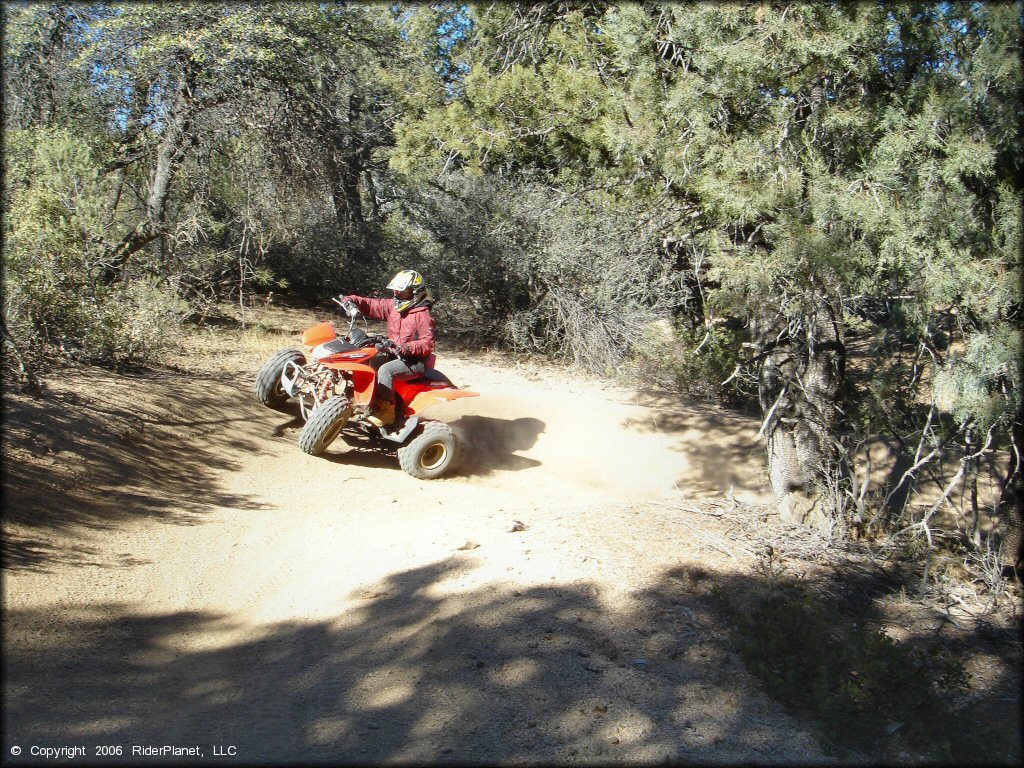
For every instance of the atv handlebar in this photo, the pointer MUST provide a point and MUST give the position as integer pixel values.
(350, 309)
(382, 343)
(349, 306)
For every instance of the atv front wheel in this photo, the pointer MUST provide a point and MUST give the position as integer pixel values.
(431, 453)
(324, 424)
(268, 387)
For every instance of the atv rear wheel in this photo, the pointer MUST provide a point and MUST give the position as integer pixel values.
(324, 425)
(431, 453)
(268, 387)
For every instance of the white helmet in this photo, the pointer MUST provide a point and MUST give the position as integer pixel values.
(407, 278)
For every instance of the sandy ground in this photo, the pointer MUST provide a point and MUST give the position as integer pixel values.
(178, 572)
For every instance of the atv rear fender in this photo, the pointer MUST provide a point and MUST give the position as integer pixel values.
(433, 396)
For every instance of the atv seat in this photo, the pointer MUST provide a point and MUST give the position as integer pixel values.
(332, 347)
(432, 374)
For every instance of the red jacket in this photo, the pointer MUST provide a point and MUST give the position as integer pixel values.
(415, 328)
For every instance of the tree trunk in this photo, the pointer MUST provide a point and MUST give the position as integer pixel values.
(171, 152)
(345, 172)
(799, 376)
(689, 307)
(348, 206)
(1011, 502)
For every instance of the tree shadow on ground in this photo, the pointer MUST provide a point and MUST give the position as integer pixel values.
(413, 670)
(823, 646)
(92, 455)
(408, 675)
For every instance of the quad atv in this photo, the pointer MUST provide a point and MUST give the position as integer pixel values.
(336, 391)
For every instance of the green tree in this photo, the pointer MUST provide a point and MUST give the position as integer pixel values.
(197, 121)
(818, 160)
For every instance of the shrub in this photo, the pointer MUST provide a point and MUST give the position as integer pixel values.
(135, 323)
(695, 362)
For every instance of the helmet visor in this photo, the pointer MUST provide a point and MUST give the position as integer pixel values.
(406, 279)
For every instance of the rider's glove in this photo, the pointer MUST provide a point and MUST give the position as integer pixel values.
(404, 350)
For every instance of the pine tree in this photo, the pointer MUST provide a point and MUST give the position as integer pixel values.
(821, 159)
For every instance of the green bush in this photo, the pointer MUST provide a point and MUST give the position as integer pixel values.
(53, 301)
(136, 323)
(684, 360)
(128, 323)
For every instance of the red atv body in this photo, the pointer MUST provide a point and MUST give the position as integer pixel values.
(336, 392)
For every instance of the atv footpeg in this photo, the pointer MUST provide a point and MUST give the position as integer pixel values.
(400, 434)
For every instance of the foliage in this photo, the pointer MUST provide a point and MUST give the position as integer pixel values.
(816, 160)
(815, 207)
(56, 198)
(541, 272)
(983, 384)
(188, 145)
(698, 362)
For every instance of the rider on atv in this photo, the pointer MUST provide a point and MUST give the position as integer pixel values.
(411, 329)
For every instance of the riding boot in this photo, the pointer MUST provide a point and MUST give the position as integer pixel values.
(384, 413)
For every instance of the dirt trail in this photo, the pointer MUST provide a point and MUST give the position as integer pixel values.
(179, 573)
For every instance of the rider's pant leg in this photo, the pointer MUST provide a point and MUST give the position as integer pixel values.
(395, 369)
